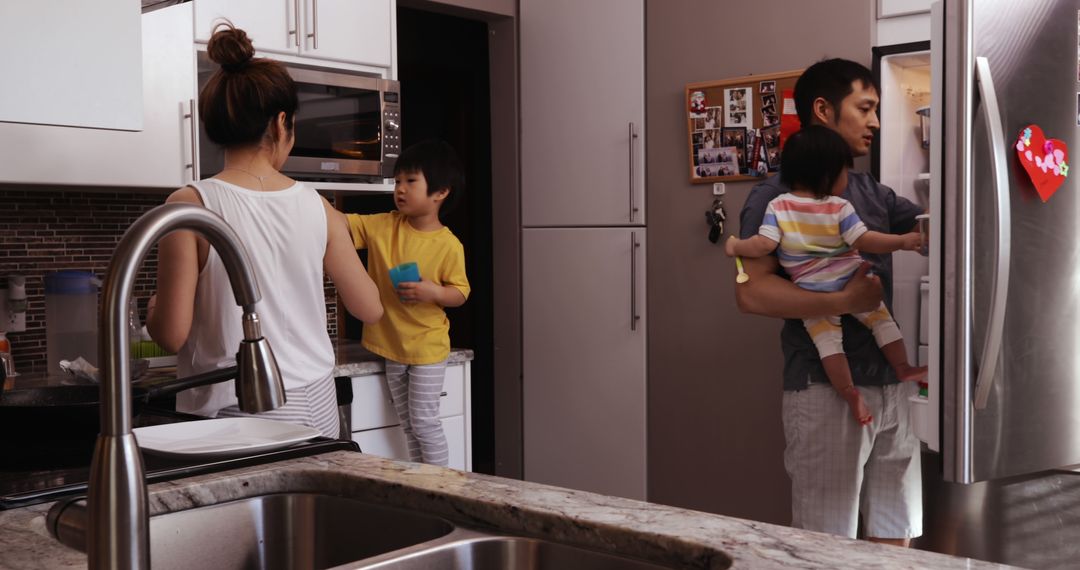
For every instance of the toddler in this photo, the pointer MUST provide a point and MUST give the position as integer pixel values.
(819, 235)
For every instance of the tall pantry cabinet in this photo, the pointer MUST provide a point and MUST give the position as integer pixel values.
(583, 244)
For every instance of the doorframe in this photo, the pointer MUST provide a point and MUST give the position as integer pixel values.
(501, 19)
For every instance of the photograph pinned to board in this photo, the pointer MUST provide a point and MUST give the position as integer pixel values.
(734, 112)
(729, 161)
(735, 137)
(711, 138)
(739, 105)
(713, 117)
(697, 105)
(770, 140)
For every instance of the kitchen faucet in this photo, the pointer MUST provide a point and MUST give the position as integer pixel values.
(118, 527)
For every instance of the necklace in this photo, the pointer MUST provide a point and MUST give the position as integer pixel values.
(249, 173)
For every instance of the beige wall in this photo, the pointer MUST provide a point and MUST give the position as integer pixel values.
(715, 438)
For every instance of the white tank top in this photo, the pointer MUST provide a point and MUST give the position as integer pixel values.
(285, 235)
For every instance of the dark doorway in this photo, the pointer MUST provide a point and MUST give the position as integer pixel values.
(444, 76)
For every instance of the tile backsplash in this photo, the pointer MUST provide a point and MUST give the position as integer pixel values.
(42, 231)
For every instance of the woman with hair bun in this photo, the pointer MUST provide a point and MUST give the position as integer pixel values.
(291, 233)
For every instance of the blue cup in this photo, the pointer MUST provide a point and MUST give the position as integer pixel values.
(405, 272)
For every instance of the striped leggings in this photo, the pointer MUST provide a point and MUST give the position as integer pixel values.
(828, 338)
(314, 405)
(416, 390)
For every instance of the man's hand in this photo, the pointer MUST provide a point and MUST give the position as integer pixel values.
(422, 291)
(863, 292)
(912, 241)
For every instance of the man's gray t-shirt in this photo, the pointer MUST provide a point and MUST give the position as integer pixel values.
(882, 211)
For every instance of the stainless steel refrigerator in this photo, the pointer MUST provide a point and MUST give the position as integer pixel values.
(1004, 303)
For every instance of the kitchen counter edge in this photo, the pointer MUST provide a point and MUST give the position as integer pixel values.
(664, 534)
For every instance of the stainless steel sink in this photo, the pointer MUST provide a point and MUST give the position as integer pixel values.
(479, 551)
(314, 531)
(284, 531)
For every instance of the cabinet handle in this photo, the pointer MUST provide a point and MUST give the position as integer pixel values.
(314, 35)
(633, 281)
(442, 394)
(193, 133)
(296, 23)
(633, 206)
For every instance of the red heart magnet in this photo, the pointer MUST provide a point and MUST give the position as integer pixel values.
(1045, 160)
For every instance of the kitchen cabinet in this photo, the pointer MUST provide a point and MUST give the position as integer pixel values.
(160, 155)
(375, 424)
(582, 112)
(583, 244)
(584, 358)
(351, 31)
(72, 63)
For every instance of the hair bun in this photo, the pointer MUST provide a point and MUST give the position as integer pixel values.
(230, 47)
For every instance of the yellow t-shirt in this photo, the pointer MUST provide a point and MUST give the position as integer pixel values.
(415, 333)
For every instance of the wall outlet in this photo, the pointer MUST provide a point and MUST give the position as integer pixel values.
(718, 189)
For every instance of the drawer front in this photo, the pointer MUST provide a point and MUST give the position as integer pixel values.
(454, 428)
(372, 406)
(453, 401)
(391, 443)
(385, 442)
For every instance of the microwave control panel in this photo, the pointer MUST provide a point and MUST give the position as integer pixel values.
(391, 130)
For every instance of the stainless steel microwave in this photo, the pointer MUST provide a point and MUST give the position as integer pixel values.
(348, 126)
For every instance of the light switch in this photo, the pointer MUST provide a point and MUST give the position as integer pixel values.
(718, 189)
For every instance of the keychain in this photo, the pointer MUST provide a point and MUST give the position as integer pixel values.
(715, 217)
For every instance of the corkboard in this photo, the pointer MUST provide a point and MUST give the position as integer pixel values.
(726, 115)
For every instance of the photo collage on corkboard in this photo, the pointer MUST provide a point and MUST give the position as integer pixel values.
(737, 126)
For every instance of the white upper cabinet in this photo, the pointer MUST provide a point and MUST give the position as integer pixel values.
(158, 156)
(71, 62)
(582, 112)
(351, 31)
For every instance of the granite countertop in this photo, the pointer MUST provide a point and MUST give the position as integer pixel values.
(666, 535)
(354, 360)
(351, 358)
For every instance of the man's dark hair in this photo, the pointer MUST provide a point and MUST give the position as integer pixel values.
(439, 164)
(830, 79)
(813, 159)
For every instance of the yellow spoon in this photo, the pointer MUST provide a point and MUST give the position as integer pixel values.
(742, 277)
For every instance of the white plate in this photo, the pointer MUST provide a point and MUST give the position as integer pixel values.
(221, 437)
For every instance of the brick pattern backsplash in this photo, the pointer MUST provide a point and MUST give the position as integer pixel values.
(42, 231)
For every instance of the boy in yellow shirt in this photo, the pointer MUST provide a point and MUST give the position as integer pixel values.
(414, 333)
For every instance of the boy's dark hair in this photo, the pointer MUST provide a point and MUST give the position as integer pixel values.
(830, 79)
(440, 166)
(813, 159)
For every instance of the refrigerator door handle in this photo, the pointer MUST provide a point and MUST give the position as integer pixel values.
(633, 282)
(633, 207)
(999, 288)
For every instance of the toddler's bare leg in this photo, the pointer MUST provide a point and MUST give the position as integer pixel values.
(896, 354)
(839, 373)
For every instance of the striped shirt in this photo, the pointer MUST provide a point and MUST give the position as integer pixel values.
(816, 237)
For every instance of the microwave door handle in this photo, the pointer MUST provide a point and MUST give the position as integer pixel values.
(999, 288)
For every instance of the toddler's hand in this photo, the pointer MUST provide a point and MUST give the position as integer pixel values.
(912, 241)
(729, 246)
(422, 291)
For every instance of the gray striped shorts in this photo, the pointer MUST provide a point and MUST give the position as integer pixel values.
(314, 405)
